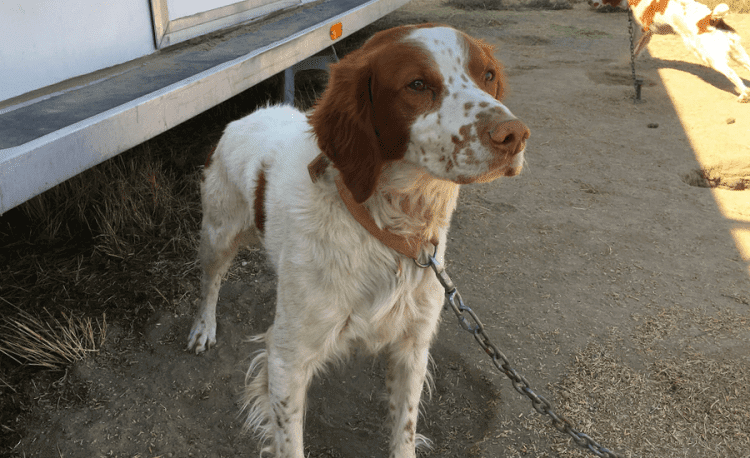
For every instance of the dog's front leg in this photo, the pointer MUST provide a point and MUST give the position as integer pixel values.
(275, 397)
(407, 371)
(287, 386)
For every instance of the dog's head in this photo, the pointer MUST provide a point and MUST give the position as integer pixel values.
(426, 94)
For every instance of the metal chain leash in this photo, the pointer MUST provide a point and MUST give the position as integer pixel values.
(470, 322)
(637, 82)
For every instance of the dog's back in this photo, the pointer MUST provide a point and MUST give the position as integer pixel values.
(247, 161)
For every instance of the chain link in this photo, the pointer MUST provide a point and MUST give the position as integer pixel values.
(637, 83)
(632, 43)
(470, 322)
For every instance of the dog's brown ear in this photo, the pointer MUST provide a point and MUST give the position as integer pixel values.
(499, 81)
(344, 125)
(354, 120)
(481, 59)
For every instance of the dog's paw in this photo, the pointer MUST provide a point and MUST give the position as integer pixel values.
(202, 335)
(744, 97)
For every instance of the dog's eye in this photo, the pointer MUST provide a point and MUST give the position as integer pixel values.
(418, 85)
(489, 76)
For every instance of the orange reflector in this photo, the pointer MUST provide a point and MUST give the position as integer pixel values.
(336, 30)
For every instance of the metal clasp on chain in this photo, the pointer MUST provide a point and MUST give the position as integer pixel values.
(430, 258)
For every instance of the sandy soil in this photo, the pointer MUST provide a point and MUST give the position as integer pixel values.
(609, 279)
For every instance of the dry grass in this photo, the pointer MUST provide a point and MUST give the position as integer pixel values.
(122, 199)
(140, 207)
(687, 405)
(119, 240)
(112, 240)
(50, 342)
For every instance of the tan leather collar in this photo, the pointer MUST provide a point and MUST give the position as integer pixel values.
(408, 246)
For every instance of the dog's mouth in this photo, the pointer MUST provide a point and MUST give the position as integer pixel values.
(513, 171)
(516, 164)
(489, 176)
(505, 168)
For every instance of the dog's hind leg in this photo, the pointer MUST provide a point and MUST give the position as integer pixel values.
(224, 230)
(740, 56)
(721, 65)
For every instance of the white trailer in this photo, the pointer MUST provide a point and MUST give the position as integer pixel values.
(84, 80)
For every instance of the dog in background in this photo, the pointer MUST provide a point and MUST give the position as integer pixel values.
(704, 32)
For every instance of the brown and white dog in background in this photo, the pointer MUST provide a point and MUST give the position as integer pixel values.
(343, 198)
(704, 32)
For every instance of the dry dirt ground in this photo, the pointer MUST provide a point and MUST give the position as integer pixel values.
(614, 283)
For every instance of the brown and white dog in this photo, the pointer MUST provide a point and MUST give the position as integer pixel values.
(343, 198)
(704, 32)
